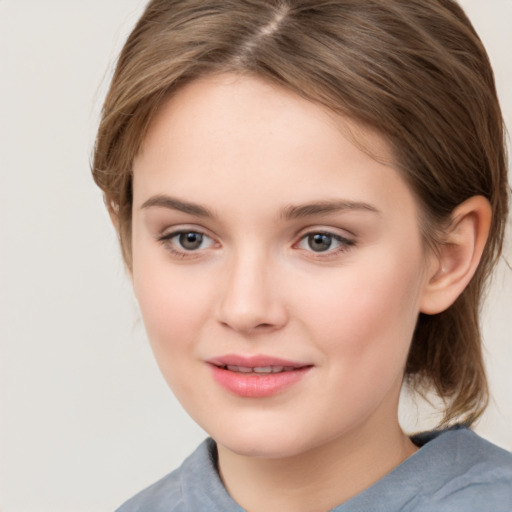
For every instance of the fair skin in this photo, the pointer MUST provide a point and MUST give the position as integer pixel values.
(261, 231)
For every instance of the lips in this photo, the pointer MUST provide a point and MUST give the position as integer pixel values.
(257, 376)
(260, 370)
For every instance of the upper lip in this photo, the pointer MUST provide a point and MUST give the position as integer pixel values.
(257, 361)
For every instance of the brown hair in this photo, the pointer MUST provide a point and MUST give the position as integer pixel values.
(415, 70)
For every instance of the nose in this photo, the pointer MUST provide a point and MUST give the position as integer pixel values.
(252, 300)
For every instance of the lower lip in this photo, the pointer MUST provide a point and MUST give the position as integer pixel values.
(257, 385)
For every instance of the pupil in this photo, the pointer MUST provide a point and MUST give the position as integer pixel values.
(319, 242)
(191, 240)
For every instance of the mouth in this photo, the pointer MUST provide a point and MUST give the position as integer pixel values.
(259, 370)
(257, 376)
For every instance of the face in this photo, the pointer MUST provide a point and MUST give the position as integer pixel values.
(279, 269)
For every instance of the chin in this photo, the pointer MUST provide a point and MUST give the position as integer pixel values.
(259, 449)
(264, 444)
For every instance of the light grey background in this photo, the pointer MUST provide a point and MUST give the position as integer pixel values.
(85, 419)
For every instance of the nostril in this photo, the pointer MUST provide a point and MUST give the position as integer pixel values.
(263, 326)
(248, 328)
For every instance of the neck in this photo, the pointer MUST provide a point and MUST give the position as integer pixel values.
(319, 479)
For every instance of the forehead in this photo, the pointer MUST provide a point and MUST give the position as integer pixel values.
(228, 135)
(230, 100)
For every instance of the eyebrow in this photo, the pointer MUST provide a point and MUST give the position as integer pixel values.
(176, 204)
(324, 208)
(289, 212)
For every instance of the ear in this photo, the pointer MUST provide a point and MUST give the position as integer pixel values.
(458, 255)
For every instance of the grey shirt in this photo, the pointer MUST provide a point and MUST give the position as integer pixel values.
(454, 471)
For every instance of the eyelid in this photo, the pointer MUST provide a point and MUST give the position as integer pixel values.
(174, 234)
(339, 238)
(166, 236)
(345, 242)
(170, 231)
(344, 234)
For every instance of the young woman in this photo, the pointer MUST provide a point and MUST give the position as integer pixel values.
(310, 196)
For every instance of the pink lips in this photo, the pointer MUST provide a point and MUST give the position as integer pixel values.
(257, 376)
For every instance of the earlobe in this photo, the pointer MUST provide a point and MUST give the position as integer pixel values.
(458, 255)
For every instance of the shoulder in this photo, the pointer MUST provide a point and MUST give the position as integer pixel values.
(464, 447)
(463, 471)
(454, 470)
(167, 494)
(162, 495)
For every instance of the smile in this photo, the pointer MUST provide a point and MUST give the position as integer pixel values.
(257, 376)
(260, 370)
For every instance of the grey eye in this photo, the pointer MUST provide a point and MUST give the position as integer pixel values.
(324, 242)
(319, 242)
(190, 240)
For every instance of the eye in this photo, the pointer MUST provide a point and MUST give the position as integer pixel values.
(319, 242)
(190, 240)
(322, 242)
(185, 241)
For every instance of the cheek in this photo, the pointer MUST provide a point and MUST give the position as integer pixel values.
(174, 304)
(173, 312)
(366, 314)
(363, 326)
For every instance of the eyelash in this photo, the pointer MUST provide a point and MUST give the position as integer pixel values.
(167, 238)
(344, 243)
